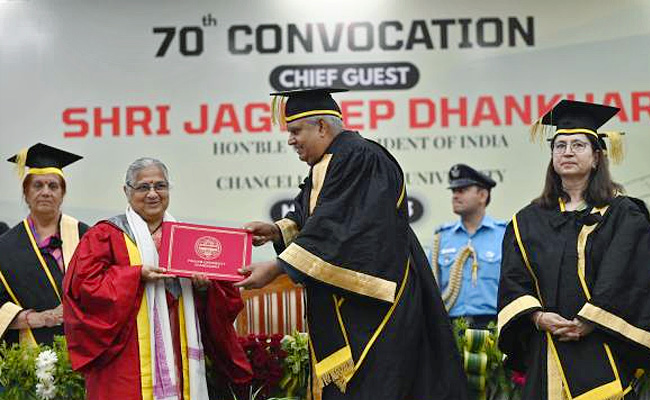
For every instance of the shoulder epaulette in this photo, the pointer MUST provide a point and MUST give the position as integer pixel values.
(444, 227)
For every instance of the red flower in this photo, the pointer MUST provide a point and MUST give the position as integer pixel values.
(267, 359)
(259, 357)
(518, 378)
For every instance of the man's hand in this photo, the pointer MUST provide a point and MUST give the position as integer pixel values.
(263, 232)
(259, 274)
(149, 273)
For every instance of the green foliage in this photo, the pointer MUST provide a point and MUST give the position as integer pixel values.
(499, 383)
(296, 365)
(18, 366)
(18, 372)
(70, 384)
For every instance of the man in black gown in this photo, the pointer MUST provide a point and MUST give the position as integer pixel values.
(378, 328)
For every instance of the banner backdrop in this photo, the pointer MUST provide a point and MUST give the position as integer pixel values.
(436, 82)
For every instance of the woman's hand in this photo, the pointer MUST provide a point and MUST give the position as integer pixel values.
(579, 329)
(200, 282)
(259, 274)
(263, 232)
(32, 319)
(565, 330)
(149, 273)
(550, 321)
(51, 317)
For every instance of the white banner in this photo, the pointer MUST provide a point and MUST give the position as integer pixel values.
(435, 82)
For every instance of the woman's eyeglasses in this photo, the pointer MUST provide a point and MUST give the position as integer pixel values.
(576, 147)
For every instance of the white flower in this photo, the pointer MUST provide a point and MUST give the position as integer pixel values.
(43, 376)
(46, 390)
(46, 360)
(45, 364)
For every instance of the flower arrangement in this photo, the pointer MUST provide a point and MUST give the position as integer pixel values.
(280, 367)
(39, 372)
(501, 383)
(266, 356)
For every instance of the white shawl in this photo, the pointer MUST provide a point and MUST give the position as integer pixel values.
(165, 385)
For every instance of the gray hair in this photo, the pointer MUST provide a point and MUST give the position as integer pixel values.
(335, 123)
(142, 163)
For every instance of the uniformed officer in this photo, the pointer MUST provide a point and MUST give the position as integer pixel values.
(466, 254)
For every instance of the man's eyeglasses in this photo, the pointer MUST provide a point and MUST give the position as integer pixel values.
(576, 147)
(158, 187)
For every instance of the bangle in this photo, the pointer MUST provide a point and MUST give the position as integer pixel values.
(27, 318)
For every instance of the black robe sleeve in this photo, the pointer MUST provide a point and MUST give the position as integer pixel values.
(620, 295)
(518, 298)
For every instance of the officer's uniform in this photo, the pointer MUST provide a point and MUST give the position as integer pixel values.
(467, 266)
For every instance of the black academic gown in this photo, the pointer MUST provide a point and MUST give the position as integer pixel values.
(32, 279)
(593, 265)
(377, 324)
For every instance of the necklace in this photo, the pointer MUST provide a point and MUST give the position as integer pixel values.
(158, 227)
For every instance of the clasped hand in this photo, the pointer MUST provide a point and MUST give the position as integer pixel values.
(565, 330)
(33, 319)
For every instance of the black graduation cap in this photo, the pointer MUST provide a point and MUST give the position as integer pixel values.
(571, 114)
(573, 117)
(461, 175)
(43, 159)
(303, 103)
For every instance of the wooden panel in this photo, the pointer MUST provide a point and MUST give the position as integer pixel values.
(265, 299)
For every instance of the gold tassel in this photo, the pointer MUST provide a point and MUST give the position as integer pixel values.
(274, 110)
(615, 148)
(277, 111)
(283, 118)
(337, 375)
(538, 132)
(21, 160)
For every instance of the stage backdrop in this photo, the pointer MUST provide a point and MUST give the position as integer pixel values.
(436, 82)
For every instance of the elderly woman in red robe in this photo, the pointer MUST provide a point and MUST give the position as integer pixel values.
(134, 332)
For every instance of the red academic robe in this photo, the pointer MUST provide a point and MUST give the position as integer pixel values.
(103, 293)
